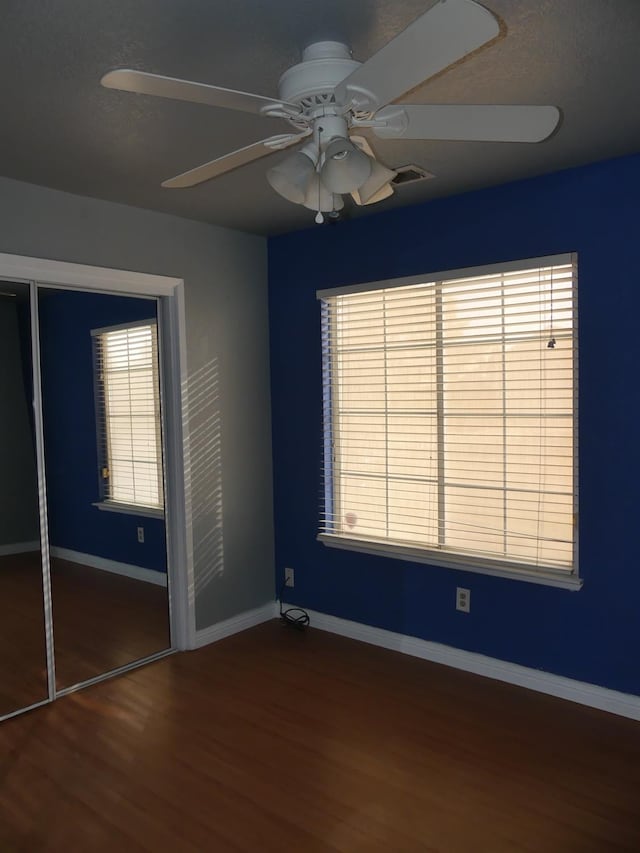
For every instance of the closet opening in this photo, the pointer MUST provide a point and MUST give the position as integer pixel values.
(98, 569)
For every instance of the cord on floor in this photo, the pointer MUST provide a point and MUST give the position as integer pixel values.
(294, 616)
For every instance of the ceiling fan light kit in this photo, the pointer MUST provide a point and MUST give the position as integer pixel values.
(346, 167)
(379, 181)
(291, 177)
(329, 98)
(319, 198)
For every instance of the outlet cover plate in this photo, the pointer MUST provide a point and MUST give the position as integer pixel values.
(463, 599)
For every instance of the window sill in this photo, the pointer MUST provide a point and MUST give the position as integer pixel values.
(130, 509)
(479, 565)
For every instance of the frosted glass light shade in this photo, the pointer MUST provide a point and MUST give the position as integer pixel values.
(345, 168)
(386, 191)
(320, 198)
(292, 176)
(379, 178)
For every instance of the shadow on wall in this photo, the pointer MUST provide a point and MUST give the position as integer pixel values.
(19, 525)
(205, 474)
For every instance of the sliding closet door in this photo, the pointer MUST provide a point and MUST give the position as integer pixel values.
(105, 493)
(23, 659)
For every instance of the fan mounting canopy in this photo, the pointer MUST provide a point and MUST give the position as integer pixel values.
(313, 81)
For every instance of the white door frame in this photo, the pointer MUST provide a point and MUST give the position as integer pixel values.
(170, 292)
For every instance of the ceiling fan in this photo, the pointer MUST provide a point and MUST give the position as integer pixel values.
(329, 97)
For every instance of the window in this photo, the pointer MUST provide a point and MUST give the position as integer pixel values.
(128, 416)
(449, 419)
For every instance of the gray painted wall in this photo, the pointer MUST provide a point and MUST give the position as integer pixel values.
(18, 484)
(225, 274)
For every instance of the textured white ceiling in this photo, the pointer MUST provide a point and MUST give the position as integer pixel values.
(61, 129)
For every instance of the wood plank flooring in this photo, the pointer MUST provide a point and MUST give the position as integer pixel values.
(277, 740)
(23, 656)
(101, 621)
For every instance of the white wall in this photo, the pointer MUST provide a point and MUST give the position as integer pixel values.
(225, 275)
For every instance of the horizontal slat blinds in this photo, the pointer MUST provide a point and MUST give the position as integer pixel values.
(449, 416)
(128, 412)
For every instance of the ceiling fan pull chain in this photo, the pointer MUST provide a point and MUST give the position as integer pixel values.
(319, 216)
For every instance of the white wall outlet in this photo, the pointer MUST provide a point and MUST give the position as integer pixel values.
(141, 534)
(288, 577)
(463, 599)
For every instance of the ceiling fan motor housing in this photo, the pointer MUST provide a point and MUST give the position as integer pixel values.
(312, 82)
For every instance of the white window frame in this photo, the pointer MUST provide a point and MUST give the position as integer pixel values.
(107, 502)
(495, 566)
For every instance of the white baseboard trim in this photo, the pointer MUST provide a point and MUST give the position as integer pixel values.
(623, 704)
(235, 624)
(19, 548)
(136, 572)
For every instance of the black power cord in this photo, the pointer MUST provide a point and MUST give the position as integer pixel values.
(294, 616)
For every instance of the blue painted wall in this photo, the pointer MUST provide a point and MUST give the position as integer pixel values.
(592, 635)
(66, 319)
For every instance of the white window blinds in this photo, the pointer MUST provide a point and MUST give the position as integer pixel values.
(128, 414)
(449, 416)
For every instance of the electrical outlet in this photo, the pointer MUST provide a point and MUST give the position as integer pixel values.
(141, 534)
(288, 577)
(463, 599)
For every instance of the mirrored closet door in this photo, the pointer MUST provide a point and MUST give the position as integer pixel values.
(23, 657)
(101, 417)
(84, 565)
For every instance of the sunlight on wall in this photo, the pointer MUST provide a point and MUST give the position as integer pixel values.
(205, 474)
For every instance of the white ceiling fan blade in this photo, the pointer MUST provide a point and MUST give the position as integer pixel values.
(363, 144)
(492, 123)
(447, 32)
(380, 195)
(231, 161)
(143, 83)
(378, 185)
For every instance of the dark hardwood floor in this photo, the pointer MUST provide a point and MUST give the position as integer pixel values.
(101, 621)
(279, 740)
(23, 656)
